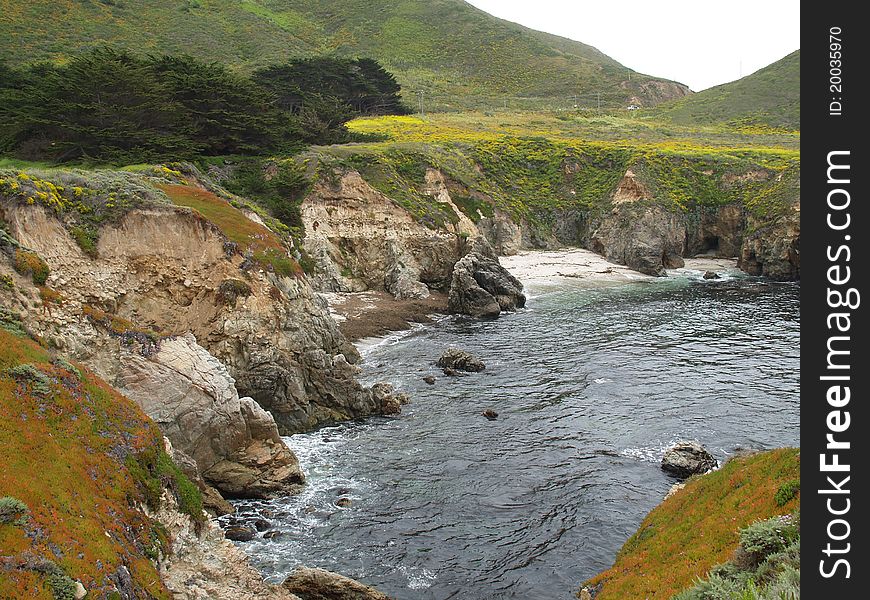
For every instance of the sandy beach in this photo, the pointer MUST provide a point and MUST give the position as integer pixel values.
(371, 314)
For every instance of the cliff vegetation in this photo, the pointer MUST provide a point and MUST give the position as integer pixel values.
(79, 462)
(704, 524)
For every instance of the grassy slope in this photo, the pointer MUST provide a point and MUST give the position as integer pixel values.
(448, 47)
(698, 526)
(65, 451)
(770, 96)
(528, 169)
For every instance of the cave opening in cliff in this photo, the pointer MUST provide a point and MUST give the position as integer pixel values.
(710, 245)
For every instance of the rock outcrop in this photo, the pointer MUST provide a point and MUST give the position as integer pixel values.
(685, 459)
(193, 399)
(637, 232)
(317, 584)
(388, 398)
(161, 268)
(773, 249)
(362, 240)
(460, 360)
(480, 286)
(204, 565)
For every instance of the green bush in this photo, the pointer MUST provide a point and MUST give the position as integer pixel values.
(787, 491)
(764, 538)
(279, 186)
(29, 263)
(153, 471)
(68, 366)
(766, 566)
(28, 374)
(86, 239)
(62, 585)
(230, 290)
(12, 511)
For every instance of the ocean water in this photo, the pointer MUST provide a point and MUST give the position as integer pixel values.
(591, 384)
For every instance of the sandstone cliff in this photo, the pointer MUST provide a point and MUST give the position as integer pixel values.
(364, 239)
(159, 271)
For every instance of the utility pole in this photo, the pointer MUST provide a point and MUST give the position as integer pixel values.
(598, 99)
(422, 114)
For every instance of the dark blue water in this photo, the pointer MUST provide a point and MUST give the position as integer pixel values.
(591, 385)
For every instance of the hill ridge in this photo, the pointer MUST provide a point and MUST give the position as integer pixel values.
(454, 51)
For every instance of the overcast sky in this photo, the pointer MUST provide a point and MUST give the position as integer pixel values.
(696, 42)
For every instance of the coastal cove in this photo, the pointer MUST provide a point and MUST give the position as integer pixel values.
(601, 371)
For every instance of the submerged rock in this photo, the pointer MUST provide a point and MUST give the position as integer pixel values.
(480, 286)
(688, 458)
(711, 275)
(317, 584)
(430, 379)
(343, 502)
(454, 360)
(490, 414)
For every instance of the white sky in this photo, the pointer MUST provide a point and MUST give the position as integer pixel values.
(701, 43)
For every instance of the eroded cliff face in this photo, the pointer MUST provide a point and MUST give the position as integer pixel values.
(192, 398)
(167, 271)
(354, 229)
(772, 249)
(203, 565)
(362, 240)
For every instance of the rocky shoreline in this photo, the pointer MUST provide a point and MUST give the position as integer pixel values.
(226, 352)
(374, 314)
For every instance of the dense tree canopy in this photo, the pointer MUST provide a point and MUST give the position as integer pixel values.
(110, 105)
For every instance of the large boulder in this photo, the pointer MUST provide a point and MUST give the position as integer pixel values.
(317, 584)
(685, 459)
(480, 286)
(772, 249)
(388, 398)
(460, 360)
(193, 399)
(642, 236)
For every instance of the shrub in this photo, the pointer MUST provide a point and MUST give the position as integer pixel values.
(281, 265)
(787, 491)
(29, 263)
(86, 239)
(278, 186)
(12, 511)
(7, 281)
(231, 290)
(10, 322)
(153, 471)
(28, 374)
(68, 366)
(766, 566)
(62, 585)
(764, 538)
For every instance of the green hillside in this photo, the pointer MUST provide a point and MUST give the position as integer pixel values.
(699, 527)
(459, 55)
(770, 96)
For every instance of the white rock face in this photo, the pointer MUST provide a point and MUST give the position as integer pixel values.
(193, 399)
